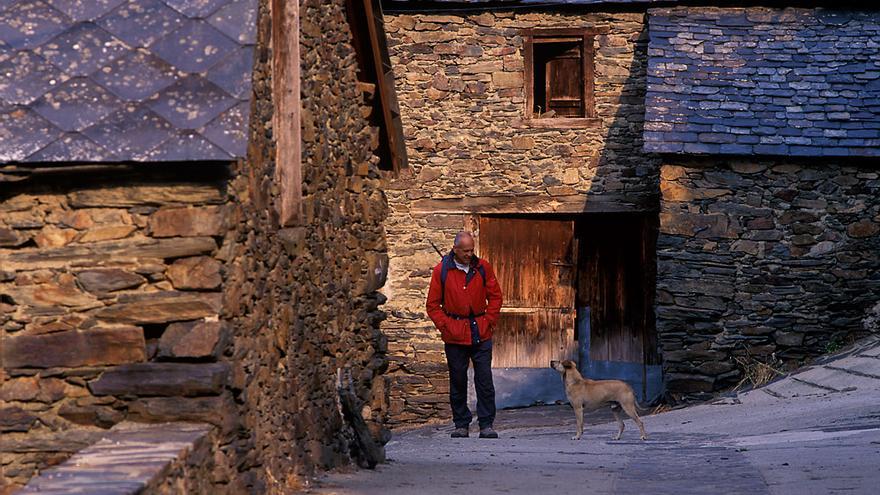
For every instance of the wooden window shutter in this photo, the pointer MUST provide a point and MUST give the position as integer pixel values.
(564, 88)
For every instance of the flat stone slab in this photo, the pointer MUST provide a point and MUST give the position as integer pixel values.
(124, 461)
(162, 379)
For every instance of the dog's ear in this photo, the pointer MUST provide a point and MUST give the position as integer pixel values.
(568, 364)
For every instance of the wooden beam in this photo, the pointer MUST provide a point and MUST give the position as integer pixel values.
(287, 114)
(385, 80)
(538, 203)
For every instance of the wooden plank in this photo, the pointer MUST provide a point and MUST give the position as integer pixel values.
(529, 74)
(565, 32)
(537, 203)
(532, 339)
(533, 260)
(588, 67)
(385, 78)
(287, 117)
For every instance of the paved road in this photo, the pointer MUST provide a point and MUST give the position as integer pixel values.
(815, 432)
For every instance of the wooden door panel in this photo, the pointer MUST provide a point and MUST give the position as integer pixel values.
(530, 339)
(616, 283)
(533, 260)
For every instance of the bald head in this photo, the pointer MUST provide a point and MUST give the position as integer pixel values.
(463, 247)
(463, 235)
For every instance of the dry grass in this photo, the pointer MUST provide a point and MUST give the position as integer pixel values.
(662, 408)
(755, 373)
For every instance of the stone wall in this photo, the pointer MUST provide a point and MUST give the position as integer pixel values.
(765, 261)
(460, 83)
(302, 300)
(109, 305)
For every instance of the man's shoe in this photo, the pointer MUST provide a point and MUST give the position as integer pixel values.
(488, 432)
(460, 433)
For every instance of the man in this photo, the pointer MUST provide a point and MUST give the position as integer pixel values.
(464, 301)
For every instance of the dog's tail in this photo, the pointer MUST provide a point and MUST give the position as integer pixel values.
(643, 409)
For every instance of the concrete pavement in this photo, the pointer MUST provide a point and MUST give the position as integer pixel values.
(814, 432)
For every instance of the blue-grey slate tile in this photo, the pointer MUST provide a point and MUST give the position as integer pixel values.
(238, 20)
(234, 74)
(76, 104)
(191, 102)
(194, 47)
(136, 76)
(72, 147)
(24, 132)
(29, 24)
(140, 23)
(84, 10)
(230, 130)
(185, 146)
(27, 76)
(82, 50)
(131, 131)
(195, 8)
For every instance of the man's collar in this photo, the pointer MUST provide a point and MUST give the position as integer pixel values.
(450, 260)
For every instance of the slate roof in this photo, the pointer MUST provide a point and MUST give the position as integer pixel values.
(763, 81)
(125, 80)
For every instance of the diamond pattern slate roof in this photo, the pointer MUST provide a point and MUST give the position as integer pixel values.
(763, 81)
(125, 80)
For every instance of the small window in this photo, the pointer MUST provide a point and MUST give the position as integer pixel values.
(559, 74)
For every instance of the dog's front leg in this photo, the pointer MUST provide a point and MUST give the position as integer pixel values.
(579, 416)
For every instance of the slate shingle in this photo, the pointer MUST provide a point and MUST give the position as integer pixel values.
(125, 80)
(775, 81)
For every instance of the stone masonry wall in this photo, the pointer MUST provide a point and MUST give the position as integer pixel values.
(461, 91)
(768, 261)
(109, 304)
(302, 300)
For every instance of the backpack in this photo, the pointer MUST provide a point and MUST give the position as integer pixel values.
(444, 271)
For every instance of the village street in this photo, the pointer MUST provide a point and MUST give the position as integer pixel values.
(815, 432)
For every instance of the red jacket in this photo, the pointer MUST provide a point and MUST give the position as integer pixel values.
(464, 298)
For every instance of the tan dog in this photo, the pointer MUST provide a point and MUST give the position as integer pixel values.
(584, 393)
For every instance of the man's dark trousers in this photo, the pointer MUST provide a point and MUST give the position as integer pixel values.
(458, 357)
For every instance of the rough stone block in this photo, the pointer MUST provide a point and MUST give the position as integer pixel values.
(135, 195)
(162, 379)
(187, 222)
(33, 258)
(97, 346)
(218, 411)
(15, 419)
(193, 340)
(106, 233)
(507, 79)
(195, 273)
(161, 307)
(109, 280)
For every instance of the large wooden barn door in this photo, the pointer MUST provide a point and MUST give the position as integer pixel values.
(534, 260)
(615, 300)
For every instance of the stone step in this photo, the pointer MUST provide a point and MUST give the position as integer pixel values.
(133, 458)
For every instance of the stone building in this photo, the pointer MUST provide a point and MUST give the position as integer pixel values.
(668, 196)
(191, 230)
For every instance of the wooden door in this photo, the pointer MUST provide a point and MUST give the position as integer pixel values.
(615, 300)
(534, 260)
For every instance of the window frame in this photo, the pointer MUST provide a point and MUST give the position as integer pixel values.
(533, 36)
